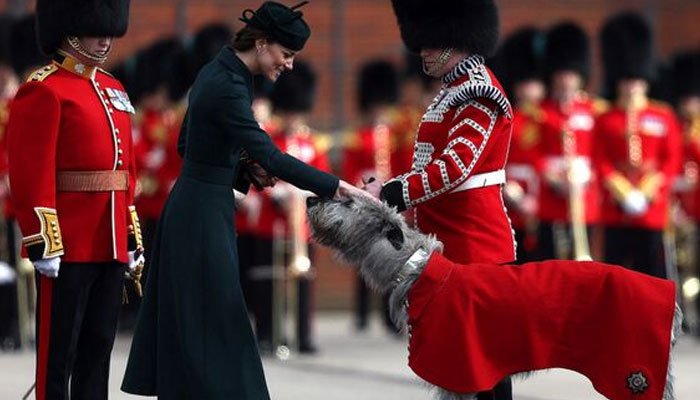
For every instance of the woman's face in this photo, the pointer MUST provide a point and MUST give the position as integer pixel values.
(274, 59)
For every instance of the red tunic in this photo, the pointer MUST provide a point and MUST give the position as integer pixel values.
(302, 146)
(580, 122)
(403, 136)
(522, 157)
(465, 132)
(157, 162)
(366, 152)
(5, 199)
(658, 153)
(472, 325)
(70, 117)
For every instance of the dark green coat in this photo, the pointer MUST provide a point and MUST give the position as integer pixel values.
(193, 339)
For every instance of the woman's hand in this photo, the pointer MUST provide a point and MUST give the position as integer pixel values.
(260, 177)
(373, 187)
(346, 190)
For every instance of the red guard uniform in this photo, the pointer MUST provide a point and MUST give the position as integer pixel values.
(644, 154)
(403, 136)
(578, 121)
(72, 178)
(53, 125)
(460, 152)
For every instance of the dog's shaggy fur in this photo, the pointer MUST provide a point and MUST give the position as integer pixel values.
(376, 239)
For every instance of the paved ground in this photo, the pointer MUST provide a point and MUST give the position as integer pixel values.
(365, 366)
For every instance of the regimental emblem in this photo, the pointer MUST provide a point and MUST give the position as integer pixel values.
(637, 383)
(120, 100)
(652, 126)
(79, 68)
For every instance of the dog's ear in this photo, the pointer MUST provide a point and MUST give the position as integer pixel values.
(395, 236)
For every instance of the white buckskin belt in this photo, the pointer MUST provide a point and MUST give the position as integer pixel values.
(492, 178)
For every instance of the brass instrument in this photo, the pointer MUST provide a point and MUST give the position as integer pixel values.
(576, 180)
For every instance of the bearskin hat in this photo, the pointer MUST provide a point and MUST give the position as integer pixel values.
(155, 66)
(207, 43)
(58, 19)
(467, 25)
(24, 47)
(378, 83)
(684, 76)
(521, 57)
(295, 90)
(567, 49)
(627, 48)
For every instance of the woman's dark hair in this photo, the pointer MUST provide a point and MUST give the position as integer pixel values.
(244, 39)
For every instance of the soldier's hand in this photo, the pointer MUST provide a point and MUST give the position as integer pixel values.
(48, 266)
(136, 259)
(635, 203)
(372, 186)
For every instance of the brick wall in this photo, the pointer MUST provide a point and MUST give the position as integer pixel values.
(347, 33)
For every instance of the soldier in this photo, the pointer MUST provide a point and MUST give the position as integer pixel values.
(72, 178)
(568, 198)
(367, 150)
(640, 150)
(520, 62)
(685, 94)
(283, 236)
(462, 142)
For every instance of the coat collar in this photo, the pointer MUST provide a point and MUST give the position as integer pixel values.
(71, 64)
(230, 60)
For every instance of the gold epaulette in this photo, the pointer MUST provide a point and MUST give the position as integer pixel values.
(42, 73)
(105, 72)
(600, 106)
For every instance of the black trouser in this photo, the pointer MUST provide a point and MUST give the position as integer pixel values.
(256, 260)
(76, 324)
(9, 320)
(502, 391)
(548, 236)
(639, 249)
(523, 254)
(362, 304)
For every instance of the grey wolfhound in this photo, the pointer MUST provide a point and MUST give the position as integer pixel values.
(471, 325)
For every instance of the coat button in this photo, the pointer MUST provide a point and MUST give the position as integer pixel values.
(120, 151)
(119, 141)
(111, 111)
(120, 162)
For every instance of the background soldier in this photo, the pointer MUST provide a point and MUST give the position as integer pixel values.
(685, 95)
(639, 151)
(520, 63)
(568, 198)
(283, 233)
(72, 176)
(367, 151)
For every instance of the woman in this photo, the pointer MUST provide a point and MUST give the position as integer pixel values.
(193, 339)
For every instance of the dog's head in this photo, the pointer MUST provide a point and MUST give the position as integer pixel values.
(366, 234)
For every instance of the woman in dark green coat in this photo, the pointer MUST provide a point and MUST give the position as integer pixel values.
(193, 339)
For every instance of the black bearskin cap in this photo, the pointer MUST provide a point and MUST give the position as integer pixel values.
(520, 57)
(685, 76)
(24, 47)
(467, 25)
(58, 19)
(207, 43)
(378, 84)
(567, 49)
(627, 48)
(156, 65)
(295, 90)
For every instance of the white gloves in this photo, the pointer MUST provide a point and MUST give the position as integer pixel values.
(136, 258)
(48, 266)
(635, 203)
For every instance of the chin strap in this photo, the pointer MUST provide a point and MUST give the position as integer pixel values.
(78, 46)
(439, 63)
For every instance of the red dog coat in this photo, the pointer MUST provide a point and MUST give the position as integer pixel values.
(472, 325)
